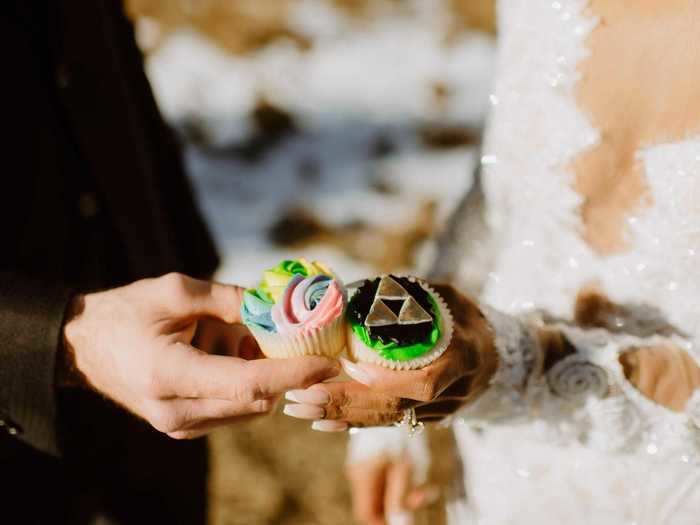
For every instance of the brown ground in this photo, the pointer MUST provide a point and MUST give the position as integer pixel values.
(276, 470)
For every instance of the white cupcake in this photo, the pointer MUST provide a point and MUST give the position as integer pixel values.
(297, 310)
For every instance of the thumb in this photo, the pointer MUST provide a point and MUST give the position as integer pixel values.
(190, 297)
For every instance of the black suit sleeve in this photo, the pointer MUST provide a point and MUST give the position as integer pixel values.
(31, 320)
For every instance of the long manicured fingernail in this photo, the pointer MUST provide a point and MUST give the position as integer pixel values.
(355, 371)
(400, 518)
(304, 411)
(324, 425)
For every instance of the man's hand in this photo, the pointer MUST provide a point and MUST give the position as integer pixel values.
(218, 337)
(133, 344)
(378, 396)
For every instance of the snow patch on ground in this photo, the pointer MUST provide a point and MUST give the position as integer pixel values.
(361, 81)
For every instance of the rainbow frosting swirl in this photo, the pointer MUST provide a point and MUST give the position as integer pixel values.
(296, 296)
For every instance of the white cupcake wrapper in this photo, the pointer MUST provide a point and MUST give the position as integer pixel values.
(358, 351)
(328, 341)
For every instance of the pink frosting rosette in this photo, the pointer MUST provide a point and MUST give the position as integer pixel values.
(308, 303)
(307, 317)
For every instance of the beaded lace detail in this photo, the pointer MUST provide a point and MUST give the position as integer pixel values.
(583, 397)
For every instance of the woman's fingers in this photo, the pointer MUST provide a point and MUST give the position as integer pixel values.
(424, 384)
(359, 406)
(383, 492)
(422, 497)
(368, 483)
(355, 417)
(347, 401)
(399, 482)
(402, 498)
(331, 400)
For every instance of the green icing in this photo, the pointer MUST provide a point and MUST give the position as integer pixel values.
(394, 352)
(276, 279)
(292, 267)
(260, 294)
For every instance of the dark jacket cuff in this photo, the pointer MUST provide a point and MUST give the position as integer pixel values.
(31, 320)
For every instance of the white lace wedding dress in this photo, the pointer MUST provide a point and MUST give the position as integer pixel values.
(580, 445)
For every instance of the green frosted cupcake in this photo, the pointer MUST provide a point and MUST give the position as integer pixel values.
(398, 322)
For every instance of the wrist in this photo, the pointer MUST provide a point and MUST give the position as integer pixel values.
(516, 348)
(486, 356)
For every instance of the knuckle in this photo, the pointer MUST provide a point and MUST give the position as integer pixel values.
(152, 384)
(332, 411)
(394, 403)
(426, 393)
(428, 388)
(175, 285)
(337, 407)
(163, 419)
(248, 392)
(263, 406)
(342, 399)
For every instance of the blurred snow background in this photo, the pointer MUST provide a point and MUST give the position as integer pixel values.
(360, 127)
(341, 130)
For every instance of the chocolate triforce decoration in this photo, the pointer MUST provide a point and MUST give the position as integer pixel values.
(393, 310)
(413, 313)
(390, 289)
(380, 315)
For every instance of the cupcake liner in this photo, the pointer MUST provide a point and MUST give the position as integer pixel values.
(328, 341)
(358, 351)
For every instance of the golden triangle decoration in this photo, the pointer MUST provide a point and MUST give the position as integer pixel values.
(413, 313)
(389, 289)
(380, 315)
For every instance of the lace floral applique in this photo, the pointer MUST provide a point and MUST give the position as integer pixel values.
(692, 409)
(574, 378)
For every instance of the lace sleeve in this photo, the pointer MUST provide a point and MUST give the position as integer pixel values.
(572, 381)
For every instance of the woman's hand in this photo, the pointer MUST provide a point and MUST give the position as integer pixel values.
(384, 491)
(379, 396)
